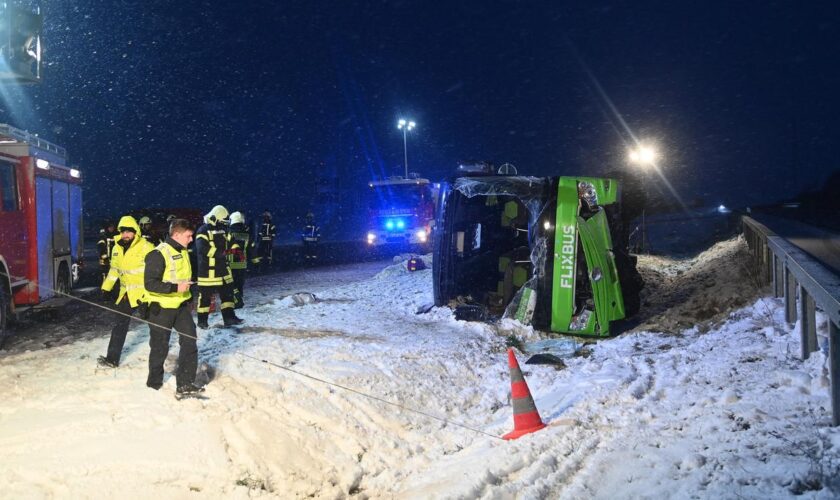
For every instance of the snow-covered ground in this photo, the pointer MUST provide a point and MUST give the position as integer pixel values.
(722, 407)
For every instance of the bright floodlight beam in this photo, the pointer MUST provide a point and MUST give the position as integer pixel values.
(405, 126)
(644, 155)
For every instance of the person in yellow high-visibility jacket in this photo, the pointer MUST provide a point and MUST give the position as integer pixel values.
(127, 264)
(167, 281)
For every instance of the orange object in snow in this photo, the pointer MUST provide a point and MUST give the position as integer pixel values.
(526, 418)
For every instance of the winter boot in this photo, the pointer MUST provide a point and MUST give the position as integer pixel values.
(106, 363)
(230, 318)
(202, 320)
(189, 391)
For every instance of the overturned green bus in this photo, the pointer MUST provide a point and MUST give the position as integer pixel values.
(538, 249)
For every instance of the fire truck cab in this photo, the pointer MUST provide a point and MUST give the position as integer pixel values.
(40, 222)
(401, 211)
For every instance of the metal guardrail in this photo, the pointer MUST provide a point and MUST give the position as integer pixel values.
(792, 272)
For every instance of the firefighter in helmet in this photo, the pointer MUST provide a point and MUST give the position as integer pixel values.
(266, 235)
(105, 246)
(240, 252)
(127, 265)
(311, 234)
(146, 228)
(213, 273)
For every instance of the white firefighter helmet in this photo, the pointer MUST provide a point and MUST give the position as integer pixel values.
(144, 220)
(237, 218)
(217, 214)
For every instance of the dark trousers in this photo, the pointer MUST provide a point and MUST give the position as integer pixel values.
(266, 250)
(205, 296)
(310, 250)
(164, 320)
(238, 287)
(118, 333)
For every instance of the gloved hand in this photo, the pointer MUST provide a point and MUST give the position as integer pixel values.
(143, 310)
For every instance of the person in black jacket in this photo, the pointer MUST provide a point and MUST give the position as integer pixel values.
(265, 235)
(214, 274)
(108, 237)
(167, 282)
(310, 235)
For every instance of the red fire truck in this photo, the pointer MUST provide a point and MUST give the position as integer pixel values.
(40, 222)
(401, 211)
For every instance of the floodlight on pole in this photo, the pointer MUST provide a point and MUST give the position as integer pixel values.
(645, 156)
(405, 126)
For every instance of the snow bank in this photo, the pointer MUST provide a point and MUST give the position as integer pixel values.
(683, 293)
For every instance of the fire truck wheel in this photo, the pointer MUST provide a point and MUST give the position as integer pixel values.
(62, 285)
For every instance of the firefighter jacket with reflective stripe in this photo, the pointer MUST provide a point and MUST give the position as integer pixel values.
(311, 232)
(105, 246)
(127, 265)
(240, 247)
(166, 267)
(210, 256)
(267, 231)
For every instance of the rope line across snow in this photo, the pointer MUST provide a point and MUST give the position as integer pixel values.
(286, 368)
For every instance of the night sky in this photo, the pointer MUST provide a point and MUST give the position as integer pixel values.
(194, 103)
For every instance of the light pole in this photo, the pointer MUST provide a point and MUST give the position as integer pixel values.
(405, 126)
(645, 158)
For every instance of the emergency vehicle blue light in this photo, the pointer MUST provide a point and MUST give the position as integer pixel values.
(400, 224)
(389, 224)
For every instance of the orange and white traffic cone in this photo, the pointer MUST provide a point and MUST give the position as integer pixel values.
(526, 418)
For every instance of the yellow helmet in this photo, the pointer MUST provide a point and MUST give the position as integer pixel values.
(145, 220)
(216, 215)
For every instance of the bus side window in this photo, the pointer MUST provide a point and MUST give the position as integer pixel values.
(8, 188)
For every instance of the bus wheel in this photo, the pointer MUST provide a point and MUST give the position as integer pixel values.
(62, 285)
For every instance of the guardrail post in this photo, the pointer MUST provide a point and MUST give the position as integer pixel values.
(768, 263)
(834, 371)
(790, 297)
(758, 252)
(807, 323)
(778, 269)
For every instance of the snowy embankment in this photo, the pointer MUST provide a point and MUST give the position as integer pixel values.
(721, 407)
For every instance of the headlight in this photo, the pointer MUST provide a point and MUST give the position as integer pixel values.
(587, 193)
(371, 237)
(422, 236)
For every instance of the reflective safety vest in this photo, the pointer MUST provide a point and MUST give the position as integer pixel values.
(127, 265)
(267, 231)
(177, 270)
(239, 248)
